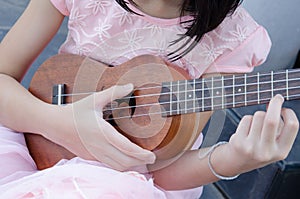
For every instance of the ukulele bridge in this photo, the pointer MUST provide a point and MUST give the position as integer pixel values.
(58, 94)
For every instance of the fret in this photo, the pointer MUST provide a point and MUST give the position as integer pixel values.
(194, 95)
(207, 90)
(171, 98)
(293, 84)
(272, 84)
(181, 93)
(227, 91)
(258, 90)
(178, 98)
(217, 99)
(251, 89)
(203, 91)
(287, 84)
(233, 91)
(279, 83)
(189, 96)
(185, 97)
(212, 93)
(165, 99)
(245, 89)
(222, 93)
(265, 87)
(198, 95)
(240, 93)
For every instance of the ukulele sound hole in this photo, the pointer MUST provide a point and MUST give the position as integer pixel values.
(108, 111)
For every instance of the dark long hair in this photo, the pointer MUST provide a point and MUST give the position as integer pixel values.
(207, 15)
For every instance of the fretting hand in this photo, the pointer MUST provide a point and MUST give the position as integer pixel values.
(259, 140)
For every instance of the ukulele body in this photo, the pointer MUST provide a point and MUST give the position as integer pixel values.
(143, 124)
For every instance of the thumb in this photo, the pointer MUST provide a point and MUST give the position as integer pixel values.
(112, 93)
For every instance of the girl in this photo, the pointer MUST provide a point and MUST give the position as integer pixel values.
(223, 39)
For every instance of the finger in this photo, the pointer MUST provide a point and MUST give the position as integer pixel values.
(127, 147)
(117, 160)
(290, 129)
(272, 120)
(280, 129)
(257, 125)
(243, 128)
(106, 137)
(111, 162)
(110, 148)
(112, 93)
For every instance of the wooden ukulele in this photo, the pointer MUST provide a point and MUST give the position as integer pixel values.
(165, 113)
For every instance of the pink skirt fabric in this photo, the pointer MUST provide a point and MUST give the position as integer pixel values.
(76, 178)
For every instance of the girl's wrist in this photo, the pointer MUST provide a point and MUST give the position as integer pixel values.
(51, 119)
(44, 117)
(212, 167)
(57, 121)
(222, 162)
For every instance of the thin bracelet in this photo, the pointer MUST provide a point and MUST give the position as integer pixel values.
(210, 165)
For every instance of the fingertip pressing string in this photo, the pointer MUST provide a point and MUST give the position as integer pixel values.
(209, 153)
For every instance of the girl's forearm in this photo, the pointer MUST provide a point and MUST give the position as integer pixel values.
(259, 140)
(191, 170)
(187, 172)
(21, 111)
(34, 29)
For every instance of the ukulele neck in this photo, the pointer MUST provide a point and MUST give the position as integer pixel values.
(214, 93)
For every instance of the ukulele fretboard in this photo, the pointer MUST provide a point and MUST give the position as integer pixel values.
(213, 93)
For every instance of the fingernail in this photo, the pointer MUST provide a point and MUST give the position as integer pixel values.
(280, 96)
(128, 87)
(151, 158)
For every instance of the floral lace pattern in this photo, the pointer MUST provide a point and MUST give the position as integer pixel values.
(103, 30)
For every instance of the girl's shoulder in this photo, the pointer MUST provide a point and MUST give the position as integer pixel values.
(237, 45)
(238, 25)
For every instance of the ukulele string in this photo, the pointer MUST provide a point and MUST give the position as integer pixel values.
(195, 90)
(186, 110)
(209, 98)
(206, 89)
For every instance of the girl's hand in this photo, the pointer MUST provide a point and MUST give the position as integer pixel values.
(89, 136)
(260, 139)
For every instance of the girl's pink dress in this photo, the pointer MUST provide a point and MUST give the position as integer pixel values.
(103, 30)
